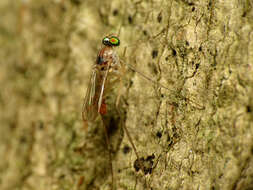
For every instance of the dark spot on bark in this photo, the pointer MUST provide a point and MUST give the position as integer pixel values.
(131, 83)
(115, 12)
(248, 109)
(159, 134)
(154, 54)
(62, 176)
(244, 14)
(168, 138)
(175, 104)
(137, 164)
(200, 48)
(76, 2)
(197, 66)
(13, 125)
(148, 170)
(174, 53)
(23, 139)
(63, 8)
(170, 144)
(130, 19)
(187, 43)
(145, 32)
(146, 165)
(41, 125)
(43, 12)
(126, 149)
(150, 158)
(193, 9)
(167, 58)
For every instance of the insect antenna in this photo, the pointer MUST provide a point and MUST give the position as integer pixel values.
(132, 68)
(145, 76)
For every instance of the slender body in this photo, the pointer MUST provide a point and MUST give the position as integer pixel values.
(104, 72)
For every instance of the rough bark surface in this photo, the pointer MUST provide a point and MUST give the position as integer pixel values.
(198, 134)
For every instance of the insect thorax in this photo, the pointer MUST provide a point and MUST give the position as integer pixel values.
(108, 59)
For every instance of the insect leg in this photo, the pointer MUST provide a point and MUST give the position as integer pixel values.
(126, 130)
(109, 151)
(123, 71)
(146, 77)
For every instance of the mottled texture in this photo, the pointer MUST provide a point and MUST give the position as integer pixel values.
(200, 131)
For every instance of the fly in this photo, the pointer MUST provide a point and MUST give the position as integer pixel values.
(104, 72)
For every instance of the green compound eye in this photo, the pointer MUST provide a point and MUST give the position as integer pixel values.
(111, 41)
(114, 41)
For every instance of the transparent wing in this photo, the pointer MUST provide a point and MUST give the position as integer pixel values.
(102, 88)
(89, 111)
(94, 95)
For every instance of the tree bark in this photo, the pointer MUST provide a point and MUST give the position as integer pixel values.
(197, 133)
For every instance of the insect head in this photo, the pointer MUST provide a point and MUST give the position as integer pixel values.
(111, 41)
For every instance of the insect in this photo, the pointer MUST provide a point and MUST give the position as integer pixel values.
(104, 72)
(107, 70)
